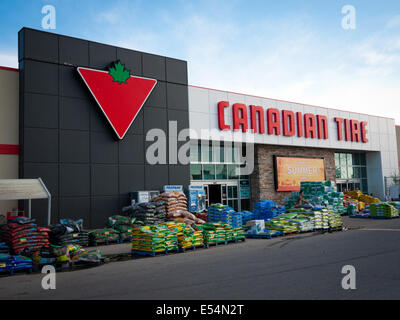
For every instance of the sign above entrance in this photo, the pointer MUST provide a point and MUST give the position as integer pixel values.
(119, 94)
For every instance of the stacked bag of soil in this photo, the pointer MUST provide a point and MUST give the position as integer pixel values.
(173, 201)
(10, 264)
(213, 232)
(103, 236)
(148, 239)
(123, 225)
(22, 235)
(64, 255)
(184, 216)
(69, 232)
(4, 249)
(149, 213)
(160, 238)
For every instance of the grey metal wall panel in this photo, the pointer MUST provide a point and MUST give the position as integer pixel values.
(74, 146)
(40, 145)
(41, 46)
(73, 51)
(131, 150)
(40, 77)
(104, 148)
(176, 71)
(76, 208)
(74, 180)
(104, 180)
(132, 60)
(41, 111)
(177, 96)
(101, 55)
(131, 177)
(48, 172)
(158, 97)
(75, 113)
(153, 66)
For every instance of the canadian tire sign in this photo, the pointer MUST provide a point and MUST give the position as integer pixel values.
(119, 94)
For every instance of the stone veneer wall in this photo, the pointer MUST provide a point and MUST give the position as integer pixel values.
(262, 179)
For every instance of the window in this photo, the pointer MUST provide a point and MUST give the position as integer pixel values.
(208, 172)
(218, 153)
(221, 171)
(195, 152)
(232, 172)
(206, 152)
(195, 171)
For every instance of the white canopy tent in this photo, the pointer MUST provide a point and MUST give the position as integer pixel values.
(25, 189)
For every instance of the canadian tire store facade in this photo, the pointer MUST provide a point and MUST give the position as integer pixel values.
(62, 135)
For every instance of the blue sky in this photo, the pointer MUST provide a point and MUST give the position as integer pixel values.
(291, 50)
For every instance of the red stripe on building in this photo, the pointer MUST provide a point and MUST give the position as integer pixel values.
(9, 149)
(9, 69)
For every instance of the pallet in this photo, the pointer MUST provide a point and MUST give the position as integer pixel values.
(307, 231)
(335, 229)
(237, 240)
(218, 243)
(385, 218)
(15, 272)
(264, 236)
(193, 248)
(147, 253)
(104, 243)
(152, 254)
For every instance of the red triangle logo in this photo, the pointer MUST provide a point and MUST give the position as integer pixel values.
(119, 99)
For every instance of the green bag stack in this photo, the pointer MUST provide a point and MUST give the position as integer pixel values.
(383, 210)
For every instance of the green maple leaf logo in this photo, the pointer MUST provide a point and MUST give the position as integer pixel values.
(119, 73)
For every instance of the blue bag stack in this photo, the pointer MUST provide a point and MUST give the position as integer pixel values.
(225, 215)
(267, 209)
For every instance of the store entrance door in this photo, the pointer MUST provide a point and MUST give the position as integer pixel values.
(214, 193)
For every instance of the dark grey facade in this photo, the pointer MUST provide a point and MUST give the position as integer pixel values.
(66, 140)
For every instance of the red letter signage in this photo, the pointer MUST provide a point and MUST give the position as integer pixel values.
(254, 111)
(274, 122)
(339, 122)
(309, 126)
(355, 130)
(364, 131)
(221, 115)
(288, 123)
(239, 120)
(322, 127)
(299, 124)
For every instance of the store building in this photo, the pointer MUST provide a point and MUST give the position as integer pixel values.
(55, 125)
(358, 150)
